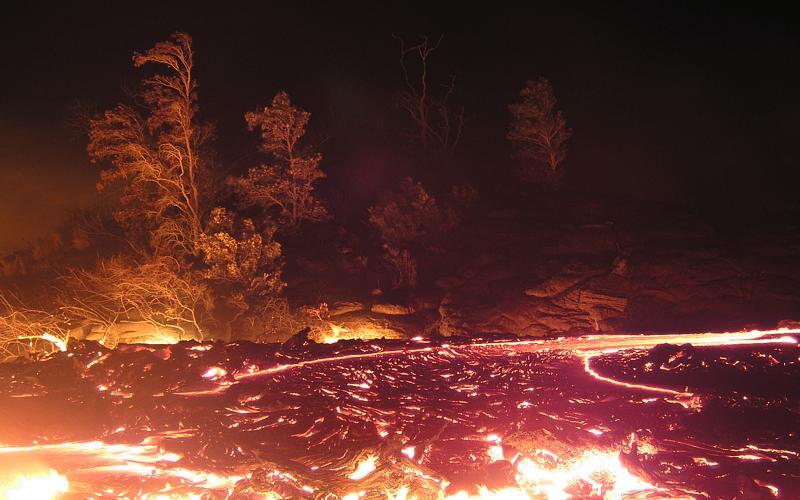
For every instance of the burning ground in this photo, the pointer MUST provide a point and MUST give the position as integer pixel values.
(712, 415)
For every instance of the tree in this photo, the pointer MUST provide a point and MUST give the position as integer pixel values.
(234, 252)
(439, 124)
(244, 265)
(287, 183)
(411, 220)
(538, 131)
(157, 154)
(200, 261)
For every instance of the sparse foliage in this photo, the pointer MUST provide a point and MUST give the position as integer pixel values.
(157, 155)
(411, 221)
(439, 124)
(275, 321)
(286, 183)
(538, 130)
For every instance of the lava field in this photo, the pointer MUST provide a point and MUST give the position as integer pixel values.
(677, 416)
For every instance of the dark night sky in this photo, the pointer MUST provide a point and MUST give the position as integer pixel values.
(680, 102)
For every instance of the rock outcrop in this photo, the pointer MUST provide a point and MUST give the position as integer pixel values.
(609, 278)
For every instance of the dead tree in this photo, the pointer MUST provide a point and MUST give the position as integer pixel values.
(439, 124)
(151, 294)
(25, 331)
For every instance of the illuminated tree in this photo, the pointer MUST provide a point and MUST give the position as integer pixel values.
(287, 182)
(234, 252)
(157, 154)
(439, 124)
(25, 331)
(538, 130)
(244, 265)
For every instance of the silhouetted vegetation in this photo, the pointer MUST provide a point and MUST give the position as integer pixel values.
(178, 254)
(539, 132)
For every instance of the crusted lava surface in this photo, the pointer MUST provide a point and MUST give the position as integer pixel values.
(389, 417)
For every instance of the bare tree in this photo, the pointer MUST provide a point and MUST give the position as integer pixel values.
(151, 293)
(286, 183)
(538, 130)
(25, 331)
(157, 155)
(439, 124)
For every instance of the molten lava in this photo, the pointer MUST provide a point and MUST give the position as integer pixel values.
(589, 417)
(40, 486)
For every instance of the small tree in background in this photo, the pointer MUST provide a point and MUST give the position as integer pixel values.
(538, 131)
(411, 220)
(287, 183)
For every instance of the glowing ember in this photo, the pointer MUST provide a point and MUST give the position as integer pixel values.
(363, 330)
(601, 472)
(336, 333)
(39, 486)
(60, 343)
(364, 468)
(215, 372)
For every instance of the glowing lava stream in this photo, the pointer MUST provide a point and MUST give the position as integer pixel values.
(89, 461)
(586, 347)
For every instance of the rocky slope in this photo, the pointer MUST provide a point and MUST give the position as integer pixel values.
(599, 268)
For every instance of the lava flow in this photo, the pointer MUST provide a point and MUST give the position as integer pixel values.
(661, 416)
